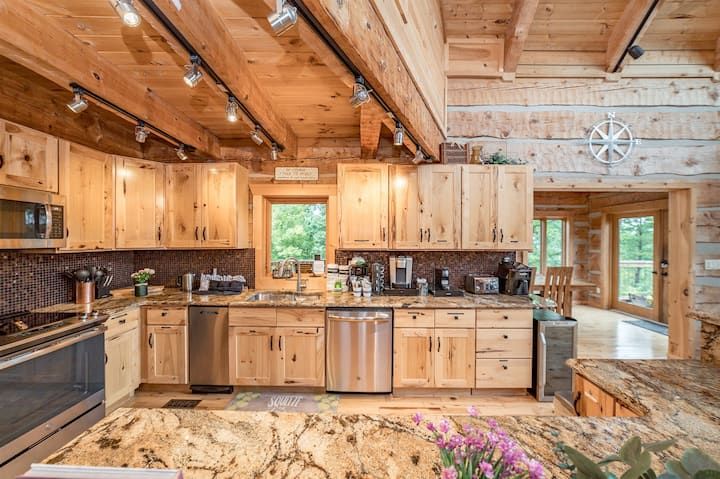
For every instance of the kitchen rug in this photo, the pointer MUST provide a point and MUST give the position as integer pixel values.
(181, 404)
(649, 325)
(284, 402)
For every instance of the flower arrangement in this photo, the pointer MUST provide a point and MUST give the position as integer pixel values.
(142, 276)
(477, 454)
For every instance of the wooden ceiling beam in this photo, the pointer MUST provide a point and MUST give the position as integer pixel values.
(638, 14)
(716, 65)
(360, 33)
(371, 122)
(40, 44)
(517, 32)
(202, 26)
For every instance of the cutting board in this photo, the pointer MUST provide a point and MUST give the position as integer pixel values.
(130, 291)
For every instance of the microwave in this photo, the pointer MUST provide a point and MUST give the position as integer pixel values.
(31, 219)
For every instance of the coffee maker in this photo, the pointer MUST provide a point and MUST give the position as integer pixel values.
(401, 271)
(442, 279)
(514, 277)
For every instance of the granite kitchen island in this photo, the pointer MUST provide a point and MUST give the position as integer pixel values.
(680, 399)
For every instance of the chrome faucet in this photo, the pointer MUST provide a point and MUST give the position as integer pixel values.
(282, 273)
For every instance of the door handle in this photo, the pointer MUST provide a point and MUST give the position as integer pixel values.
(438, 344)
(502, 235)
(421, 235)
(271, 341)
(2, 161)
(150, 341)
(430, 343)
(204, 230)
(159, 233)
(428, 232)
(196, 233)
(279, 343)
(494, 234)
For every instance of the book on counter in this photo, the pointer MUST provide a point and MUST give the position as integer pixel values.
(48, 471)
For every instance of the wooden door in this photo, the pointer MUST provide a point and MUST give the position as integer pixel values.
(300, 357)
(441, 187)
(514, 207)
(454, 358)
(28, 158)
(87, 180)
(166, 354)
(182, 206)
(406, 208)
(138, 203)
(252, 355)
(219, 205)
(413, 358)
(478, 207)
(116, 381)
(363, 206)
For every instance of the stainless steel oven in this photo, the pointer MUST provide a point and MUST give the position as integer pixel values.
(31, 219)
(51, 392)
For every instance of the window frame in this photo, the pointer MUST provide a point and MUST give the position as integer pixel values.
(566, 254)
(268, 225)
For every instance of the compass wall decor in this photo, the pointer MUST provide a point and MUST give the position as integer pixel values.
(611, 141)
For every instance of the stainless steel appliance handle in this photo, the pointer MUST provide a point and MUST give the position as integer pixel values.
(45, 350)
(48, 220)
(543, 361)
(350, 320)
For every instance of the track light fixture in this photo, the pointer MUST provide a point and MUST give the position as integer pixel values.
(127, 12)
(255, 135)
(399, 135)
(361, 94)
(274, 152)
(141, 133)
(181, 152)
(193, 74)
(636, 51)
(283, 18)
(78, 103)
(231, 110)
(419, 156)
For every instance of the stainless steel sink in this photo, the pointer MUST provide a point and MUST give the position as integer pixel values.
(281, 296)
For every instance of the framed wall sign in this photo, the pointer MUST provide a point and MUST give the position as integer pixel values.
(296, 173)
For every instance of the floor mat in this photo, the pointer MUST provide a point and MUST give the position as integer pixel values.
(284, 402)
(181, 404)
(649, 325)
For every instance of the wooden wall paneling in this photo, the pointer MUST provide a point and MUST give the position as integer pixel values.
(472, 18)
(517, 32)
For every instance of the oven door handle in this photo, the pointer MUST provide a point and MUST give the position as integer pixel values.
(45, 350)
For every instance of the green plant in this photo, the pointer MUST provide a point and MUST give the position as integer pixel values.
(142, 276)
(637, 457)
(500, 158)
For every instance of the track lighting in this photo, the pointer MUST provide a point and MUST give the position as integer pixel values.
(78, 103)
(255, 136)
(181, 152)
(399, 135)
(419, 156)
(361, 94)
(193, 74)
(636, 51)
(127, 12)
(141, 133)
(231, 110)
(283, 18)
(274, 152)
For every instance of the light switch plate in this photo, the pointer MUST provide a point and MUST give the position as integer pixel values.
(712, 264)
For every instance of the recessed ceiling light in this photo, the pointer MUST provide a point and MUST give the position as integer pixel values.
(141, 133)
(231, 110)
(361, 94)
(127, 12)
(193, 74)
(181, 152)
(283, 18)
(255, 135)
(78, 103)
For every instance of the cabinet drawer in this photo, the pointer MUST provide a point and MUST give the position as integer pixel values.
(253, 317)
(166, 316)
(414, 318)
(503, 373)
(455, 318)
(122, 321)
(503, 343)
(293, 317)
(504, 318)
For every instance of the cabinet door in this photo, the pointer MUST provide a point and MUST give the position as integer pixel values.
(28, 158)
(166, 354)
(219, 205)
(413, 358)
(455, 358)
(515, 207)
(115, 380)
(87, 180)
(478, 207)
(138, 203)
(363, 206)
(593, 400)
(252, 352)
(182, 206)
(441, 197)
(406, 207)
(134, 345)
(300, 358)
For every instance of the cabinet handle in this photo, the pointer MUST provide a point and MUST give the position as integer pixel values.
(438, 344)
(2, 161)
(196, 233)
(164, 313)
(504, 366)
(204, 230)
(150, 341)
(122, 321)
(428, 232)
(159, 233)
(414, 317)
(494, 234)
(421, 235)
(280, 343)
(271, 341)
(383, 233)
(106, 358)
(502, 235)
(67, 232)
(505, 336)
(430, 343)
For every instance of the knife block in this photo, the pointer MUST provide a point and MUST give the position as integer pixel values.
(102, 291)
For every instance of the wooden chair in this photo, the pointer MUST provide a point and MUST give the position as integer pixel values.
(558, 290)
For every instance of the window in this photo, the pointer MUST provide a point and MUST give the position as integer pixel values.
(297, 230)
(549, 243)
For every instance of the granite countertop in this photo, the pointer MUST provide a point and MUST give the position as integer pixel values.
(704, 316)
(174, 297)
(681, 398)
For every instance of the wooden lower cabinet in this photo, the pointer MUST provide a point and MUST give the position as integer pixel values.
(413, 358)
(122, 356)
(503, 349)
(455, 358)
(503, 373)
(592, 400)
(251, 355)
(166, 354)
(300, 357)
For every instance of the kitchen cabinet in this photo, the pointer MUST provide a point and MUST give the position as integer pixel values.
(300, 357)
(87, 180)
(139, 200)
(592, 400)
(413, 357)
(165, 346)
(503, 349)
(406, 208)
(28, 158)
(363, 206)
(454, 358)
(514, 207)
(122, 358)
(182, 206)
(478, 207)
(251, 352)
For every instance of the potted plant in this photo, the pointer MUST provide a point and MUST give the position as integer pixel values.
(140, 279)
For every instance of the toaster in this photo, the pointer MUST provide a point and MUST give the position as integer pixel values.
(477, 284)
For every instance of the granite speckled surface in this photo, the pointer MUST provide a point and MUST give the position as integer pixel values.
(681, 398)
(709, 335)
(704, 316)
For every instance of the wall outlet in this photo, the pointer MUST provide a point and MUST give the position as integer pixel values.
(712, 264)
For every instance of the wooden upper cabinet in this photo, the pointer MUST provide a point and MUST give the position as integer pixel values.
(87, 182)
(363, 206)
(514, 207)
(28, 158)
(182, 205)
(441, 196)
(138, 203)
(220, 205)
(406, 207)
(478, 207)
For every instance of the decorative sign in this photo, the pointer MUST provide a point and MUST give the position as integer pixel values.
(611, 141)
(296, 173)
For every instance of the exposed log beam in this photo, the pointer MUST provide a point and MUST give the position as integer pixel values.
(360, 34)
(40, 44)
(636, 18)
(202, 26)
(371, 122)
(517, 32)
(716, 66)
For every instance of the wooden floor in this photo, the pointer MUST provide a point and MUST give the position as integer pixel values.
(601, 334)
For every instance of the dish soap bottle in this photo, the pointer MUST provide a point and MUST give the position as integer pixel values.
(318, 267)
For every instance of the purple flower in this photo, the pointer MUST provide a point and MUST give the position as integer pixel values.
(444, 426)
(492, 423)
(472, 411)
(535, 469)
(486, 469)
(430, 427)
(417, 418)
(449, 473)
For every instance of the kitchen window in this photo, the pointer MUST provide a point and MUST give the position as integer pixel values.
(297, 230)
(549, 243)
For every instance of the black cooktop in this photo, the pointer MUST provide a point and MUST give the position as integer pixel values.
(27, 322)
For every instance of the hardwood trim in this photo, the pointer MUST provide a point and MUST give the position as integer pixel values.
(517, 32)
(622, 34)
(682, 206)
(716, 65)
(371, 122)
(630, 209)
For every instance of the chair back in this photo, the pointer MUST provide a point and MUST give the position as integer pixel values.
(557, 288)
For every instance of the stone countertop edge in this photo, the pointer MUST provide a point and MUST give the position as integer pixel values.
(704, 316)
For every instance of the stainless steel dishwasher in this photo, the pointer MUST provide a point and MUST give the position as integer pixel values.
(208, 355)
(359, 350)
